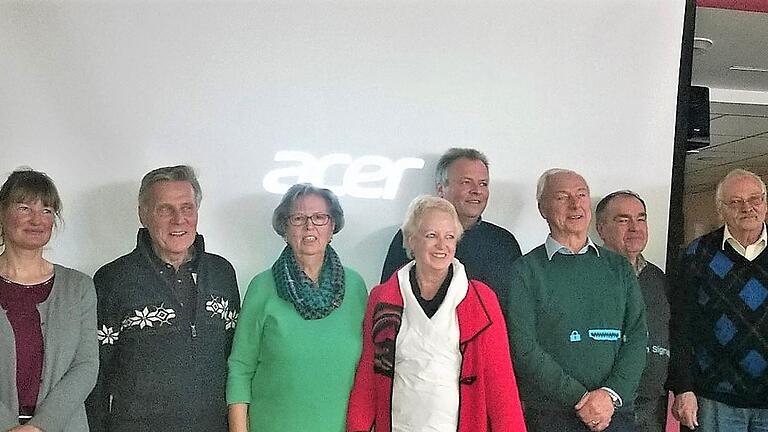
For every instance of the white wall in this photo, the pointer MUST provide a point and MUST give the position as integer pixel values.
(98, 93)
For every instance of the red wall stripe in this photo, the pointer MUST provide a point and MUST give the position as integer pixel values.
(745, 5)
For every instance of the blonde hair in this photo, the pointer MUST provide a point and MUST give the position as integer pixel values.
(416, 210)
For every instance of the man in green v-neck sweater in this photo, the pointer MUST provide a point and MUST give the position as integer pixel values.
(576, 320)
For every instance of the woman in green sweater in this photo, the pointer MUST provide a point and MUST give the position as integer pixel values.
(298, 336)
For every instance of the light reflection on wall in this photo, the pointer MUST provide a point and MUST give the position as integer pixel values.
(369, 176)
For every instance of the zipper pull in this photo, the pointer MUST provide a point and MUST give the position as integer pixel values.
(194, 330)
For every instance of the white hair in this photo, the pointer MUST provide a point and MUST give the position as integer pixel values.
(736, 173)
(544, 178)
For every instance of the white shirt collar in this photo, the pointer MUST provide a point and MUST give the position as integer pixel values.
(727, 235)
(749, 251)
(553, 246)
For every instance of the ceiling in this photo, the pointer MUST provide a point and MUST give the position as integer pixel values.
(739, 132)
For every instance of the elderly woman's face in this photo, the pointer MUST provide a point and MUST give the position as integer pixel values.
(309, 226)
(27, 225)
(434, 242)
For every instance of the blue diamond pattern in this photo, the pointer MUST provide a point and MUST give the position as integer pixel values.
(703, 297)
(703, 359)
(693, 246)
(724, 387)
(725, 330)
(754, 364)
(753, 294)
(721, 264)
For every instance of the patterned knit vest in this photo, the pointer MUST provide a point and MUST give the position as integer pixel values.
(730, 316)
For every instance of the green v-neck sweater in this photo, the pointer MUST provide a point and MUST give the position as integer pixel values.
(576, 323)
(295, 374)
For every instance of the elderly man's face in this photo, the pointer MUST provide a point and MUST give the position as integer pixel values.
(170, 215)
(624, 228)
(467, 189)
(566, 205)
(743, 205)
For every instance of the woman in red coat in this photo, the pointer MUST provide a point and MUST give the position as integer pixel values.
(435, 349)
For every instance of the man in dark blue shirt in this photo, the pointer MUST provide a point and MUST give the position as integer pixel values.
(486, 250)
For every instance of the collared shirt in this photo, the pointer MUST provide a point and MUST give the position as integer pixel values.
(751, 251)
(183, 282)
(639, 265)
(553, 246)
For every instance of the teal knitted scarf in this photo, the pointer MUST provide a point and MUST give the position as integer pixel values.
(311, 300)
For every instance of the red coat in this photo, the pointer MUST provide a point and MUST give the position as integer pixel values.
(488, 397)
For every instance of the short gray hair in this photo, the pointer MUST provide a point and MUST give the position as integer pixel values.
(451, 156)
(283, 210)
(736, 173)
(169, 173)
(544, 179)
(602, 206)
(417, 208)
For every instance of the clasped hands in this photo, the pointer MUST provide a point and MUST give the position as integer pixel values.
(595, 409)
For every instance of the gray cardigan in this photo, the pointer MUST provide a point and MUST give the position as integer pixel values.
(70, 360)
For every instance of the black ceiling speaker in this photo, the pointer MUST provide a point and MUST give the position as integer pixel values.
(698, 118)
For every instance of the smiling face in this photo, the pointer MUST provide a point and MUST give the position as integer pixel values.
(170, 215)
(742, 206)
(434, 243)
(624, 228)
(566, 205)
(467, 189)
(308, 240)
(27, 225)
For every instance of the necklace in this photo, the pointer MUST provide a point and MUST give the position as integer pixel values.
(26, 286)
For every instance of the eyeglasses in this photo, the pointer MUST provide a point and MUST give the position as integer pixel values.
(318, 219)
(737, 203)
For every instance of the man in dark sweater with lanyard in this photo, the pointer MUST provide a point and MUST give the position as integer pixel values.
(486, 250)
(166, 317)
(622, 224)
(576, 320)
(719, 365)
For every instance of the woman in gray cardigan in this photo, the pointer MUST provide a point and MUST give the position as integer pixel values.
(49, 355)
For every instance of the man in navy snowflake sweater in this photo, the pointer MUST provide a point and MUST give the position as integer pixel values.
(166, 317)
(720, 332)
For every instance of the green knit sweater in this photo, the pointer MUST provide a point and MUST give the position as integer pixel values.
(576, 323)
(296, 374)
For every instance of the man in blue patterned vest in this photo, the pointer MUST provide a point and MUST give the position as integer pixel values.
(719, 359)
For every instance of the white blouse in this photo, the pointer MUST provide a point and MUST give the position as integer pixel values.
(425, 393)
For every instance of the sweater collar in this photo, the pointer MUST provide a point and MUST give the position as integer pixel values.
(553, 246)
(748, 251)
(144, 246)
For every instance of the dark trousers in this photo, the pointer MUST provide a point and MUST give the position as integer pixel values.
(564, 421)
(651, 415)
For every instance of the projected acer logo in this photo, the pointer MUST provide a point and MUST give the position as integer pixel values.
(362, 177)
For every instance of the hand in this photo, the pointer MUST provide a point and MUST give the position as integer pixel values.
(595, 409)
(686, 410)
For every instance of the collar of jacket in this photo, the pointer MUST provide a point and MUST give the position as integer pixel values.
(476, 316)
(144, 246)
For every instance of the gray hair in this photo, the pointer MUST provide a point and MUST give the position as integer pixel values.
(26, 185)
(283, 210)
(541, 184)
(602, 206)
(736, 173)
(417, 208)
(451, 156)
(169, 173)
